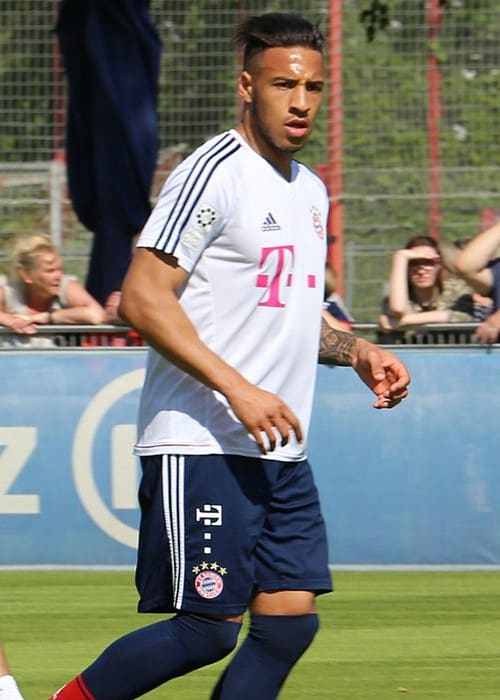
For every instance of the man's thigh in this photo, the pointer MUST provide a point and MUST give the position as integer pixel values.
(217, 529)
(201, 518)
(292, 551)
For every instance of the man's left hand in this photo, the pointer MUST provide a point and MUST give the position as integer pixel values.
(383, 372)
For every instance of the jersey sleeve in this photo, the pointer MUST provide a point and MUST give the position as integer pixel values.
(192, 209)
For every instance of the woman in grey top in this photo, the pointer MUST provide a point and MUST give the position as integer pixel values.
(39, 293)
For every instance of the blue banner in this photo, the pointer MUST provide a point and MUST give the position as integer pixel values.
(415, 485)
(418, 484)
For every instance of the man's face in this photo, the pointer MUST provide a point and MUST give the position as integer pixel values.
(282, 90)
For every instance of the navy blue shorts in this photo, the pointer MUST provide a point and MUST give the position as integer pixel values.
(217, 529)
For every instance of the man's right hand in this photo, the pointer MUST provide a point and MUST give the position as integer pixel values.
(264, 415)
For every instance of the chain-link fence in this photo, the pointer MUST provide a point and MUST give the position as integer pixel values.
(417, 120)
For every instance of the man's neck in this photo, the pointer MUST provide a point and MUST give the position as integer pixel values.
(282, 162)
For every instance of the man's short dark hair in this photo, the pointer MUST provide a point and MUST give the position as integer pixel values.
(274, 29)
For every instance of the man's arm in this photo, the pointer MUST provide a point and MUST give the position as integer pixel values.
(471, 263)
(379, 369)
(150, 304)
(489, 330)
(336, 347)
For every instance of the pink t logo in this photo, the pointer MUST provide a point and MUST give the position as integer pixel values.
(272, 282)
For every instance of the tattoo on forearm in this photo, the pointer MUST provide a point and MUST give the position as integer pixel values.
(335, 347)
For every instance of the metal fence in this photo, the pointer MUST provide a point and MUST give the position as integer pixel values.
(415, 115)
(81, 337)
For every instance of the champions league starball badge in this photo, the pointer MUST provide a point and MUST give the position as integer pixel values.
(206, 216)
(208, 582)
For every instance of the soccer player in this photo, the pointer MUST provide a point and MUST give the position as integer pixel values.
(227, 287)
(9, 689)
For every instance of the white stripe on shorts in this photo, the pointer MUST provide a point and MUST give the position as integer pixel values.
(173, 511)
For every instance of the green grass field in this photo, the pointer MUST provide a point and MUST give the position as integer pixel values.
(384, 635)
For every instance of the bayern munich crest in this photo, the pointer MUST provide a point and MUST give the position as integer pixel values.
(208, 582)
(318, 222)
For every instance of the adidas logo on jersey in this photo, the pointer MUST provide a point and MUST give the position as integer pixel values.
(269, 223)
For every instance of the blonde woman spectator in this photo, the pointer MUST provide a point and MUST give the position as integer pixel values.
(39, 293)
(421, 291)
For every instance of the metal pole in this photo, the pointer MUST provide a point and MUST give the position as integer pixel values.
(434, 18)
(335, 145)
(57, 90)
(57, 171)
(57, 166)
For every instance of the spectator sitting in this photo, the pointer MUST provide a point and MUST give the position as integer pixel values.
(420, 290)
(38, 294)
(335, 311)
(479, 264)
(482, 304)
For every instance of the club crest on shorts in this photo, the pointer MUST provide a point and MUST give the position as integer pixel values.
(208, 582)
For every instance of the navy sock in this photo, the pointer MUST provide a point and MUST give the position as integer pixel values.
(260, 667)
(146, 658)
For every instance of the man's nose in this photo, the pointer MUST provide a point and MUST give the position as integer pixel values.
(300, 102)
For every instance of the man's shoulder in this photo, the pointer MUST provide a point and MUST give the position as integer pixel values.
(307, 173)
(218, 155)
(211, 164)
(218, 148)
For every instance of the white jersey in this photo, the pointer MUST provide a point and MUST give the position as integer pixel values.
(254, 245)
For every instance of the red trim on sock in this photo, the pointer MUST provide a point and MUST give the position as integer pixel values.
(74, 690)
(85, 691)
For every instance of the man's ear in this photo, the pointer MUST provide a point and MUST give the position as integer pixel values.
(245, 87)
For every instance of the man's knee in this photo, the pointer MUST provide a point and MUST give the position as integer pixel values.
(286, 637)
(208, 638)
(284, 603)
